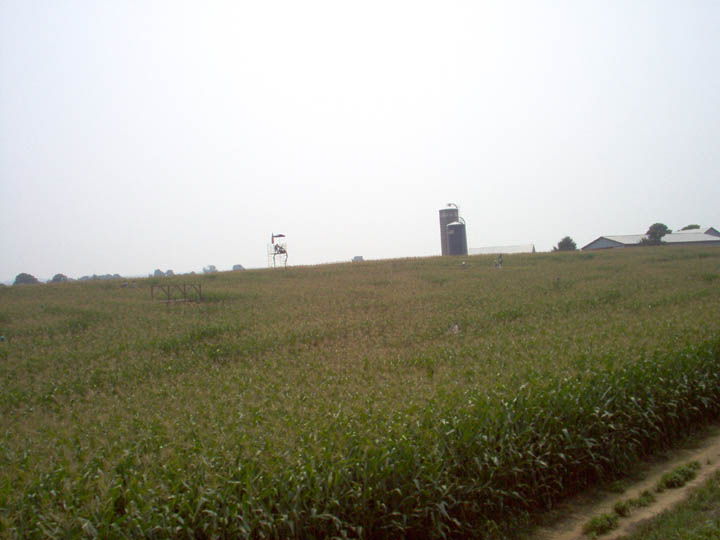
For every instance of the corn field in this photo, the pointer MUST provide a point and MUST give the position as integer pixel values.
(417, 398)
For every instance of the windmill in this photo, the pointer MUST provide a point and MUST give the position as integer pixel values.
(277, 251)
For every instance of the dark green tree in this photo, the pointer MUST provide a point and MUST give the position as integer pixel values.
(59, 278)
(690, 227)
(566, 244)
(654, 234)
(25, 279)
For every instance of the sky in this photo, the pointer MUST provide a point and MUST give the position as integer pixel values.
(144, 134)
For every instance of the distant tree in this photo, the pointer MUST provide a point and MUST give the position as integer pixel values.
(169, 273)
(238, 267)
(690, 227)
(209, 269)
(59, 278)
(158, 273)
(25, 279)
(566, 244)
(655, 233)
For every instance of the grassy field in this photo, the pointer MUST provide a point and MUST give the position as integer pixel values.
(338, 400)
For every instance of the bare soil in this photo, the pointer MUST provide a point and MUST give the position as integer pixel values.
(578, 511)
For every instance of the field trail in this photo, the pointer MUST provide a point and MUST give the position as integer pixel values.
(577, 513)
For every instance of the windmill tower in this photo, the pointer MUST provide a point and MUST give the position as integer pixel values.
(277, 251)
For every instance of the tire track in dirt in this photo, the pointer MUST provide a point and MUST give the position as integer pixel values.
(705, 451)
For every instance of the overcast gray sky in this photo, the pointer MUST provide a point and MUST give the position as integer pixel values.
(137, 135)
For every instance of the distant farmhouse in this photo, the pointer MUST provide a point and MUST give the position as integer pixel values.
(702, 236)
(504, 250)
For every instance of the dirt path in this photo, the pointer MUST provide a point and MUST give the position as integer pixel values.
(706, 452)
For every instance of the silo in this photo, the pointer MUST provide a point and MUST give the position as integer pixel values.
(447, 216)
(456, 238)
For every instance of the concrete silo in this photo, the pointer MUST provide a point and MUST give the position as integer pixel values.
(447, 216)
(456, 238)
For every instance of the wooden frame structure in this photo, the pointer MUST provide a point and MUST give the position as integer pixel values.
(177, 292)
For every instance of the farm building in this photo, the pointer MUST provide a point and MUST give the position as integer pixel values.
(505, 250)
(704, 230)
(702, 236)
